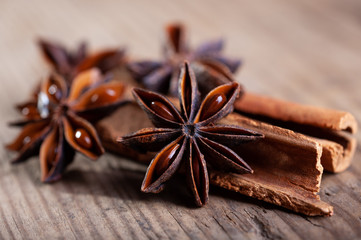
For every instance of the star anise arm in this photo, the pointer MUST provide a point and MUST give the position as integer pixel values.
(212, 51)
(159, 109)
(54, 89)
(197, 174)
(211, 74)
(217, 104)
(23, 122)
(173, 82)
(56, 55)
(27, 143)
(209, 48)
(150, 139)
(80, 54)
(232, 64)
(188, 92)
(82, 136)
(55, 155)
(29, 110)
(104, 60)
(159, 79)
(83, 81)
(218, 73)
(229, 135)
(222, 157)
(164, 165)
(175, 39)
(100, 101)
(140, 69)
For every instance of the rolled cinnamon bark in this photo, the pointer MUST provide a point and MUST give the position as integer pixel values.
(287, 168)
(332, 128)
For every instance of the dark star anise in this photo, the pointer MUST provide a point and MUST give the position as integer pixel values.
(58, 124)
(211, 68)
(68, 64)
(190, 137)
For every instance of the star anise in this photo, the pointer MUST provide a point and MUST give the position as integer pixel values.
(211, 67)
(58, 124)
(68, 64)
(190, 137)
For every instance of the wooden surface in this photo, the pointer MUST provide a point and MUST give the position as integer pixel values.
(305, 51)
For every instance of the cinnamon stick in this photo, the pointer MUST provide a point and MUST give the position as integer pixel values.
(331, 128)
(287, 168)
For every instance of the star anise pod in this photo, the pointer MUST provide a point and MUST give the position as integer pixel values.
(190, 137)
(211, 67)
(58, 125)
(68, 64)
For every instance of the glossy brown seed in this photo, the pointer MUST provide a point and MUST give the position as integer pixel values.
(167, 158)
(105, 96)
(26, 139)
(29, 111)
(54, 91)
(162, 110)
(187, 92)
(83, 138)
(212, 105)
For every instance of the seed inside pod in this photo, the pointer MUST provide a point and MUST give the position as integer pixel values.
(212, 105)
(82, 137)
(162, 110)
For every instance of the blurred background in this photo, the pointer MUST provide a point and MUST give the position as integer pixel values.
(305, 51)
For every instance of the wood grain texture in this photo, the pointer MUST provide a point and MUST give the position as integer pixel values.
(303, 51)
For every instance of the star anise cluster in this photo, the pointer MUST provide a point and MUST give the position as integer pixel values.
(58, 118)
(189, 138)
(69, 64)
(57, 125)
(211, 67)
(59, 115)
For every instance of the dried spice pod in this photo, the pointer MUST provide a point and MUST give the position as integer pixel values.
(60, 127)
(211, 67)
(184, 135)
(69, 64)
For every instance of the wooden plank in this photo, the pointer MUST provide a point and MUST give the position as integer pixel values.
(302, 51)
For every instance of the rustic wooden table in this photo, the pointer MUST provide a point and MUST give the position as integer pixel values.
(304, 51)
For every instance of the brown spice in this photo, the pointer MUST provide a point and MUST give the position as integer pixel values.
(211, 67)
(292, 183)
(189, 138)
(332, 128)
(59, 123)
(278, 182)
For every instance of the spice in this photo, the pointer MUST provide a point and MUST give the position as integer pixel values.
(211, 67)
(189, 136)
(68, 64)
(59, 122)
(332, 128)
(287, 166)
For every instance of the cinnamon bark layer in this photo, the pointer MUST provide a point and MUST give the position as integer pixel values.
(287, 168)
(127, 119)
(333, 129)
